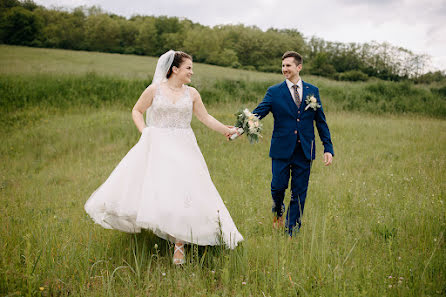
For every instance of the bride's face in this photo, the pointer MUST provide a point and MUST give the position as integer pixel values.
(184, 72)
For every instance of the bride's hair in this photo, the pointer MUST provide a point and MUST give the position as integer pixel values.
(177, 61)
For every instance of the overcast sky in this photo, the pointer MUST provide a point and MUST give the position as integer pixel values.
(417, 25)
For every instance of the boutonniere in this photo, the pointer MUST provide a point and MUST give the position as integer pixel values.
(311, 102)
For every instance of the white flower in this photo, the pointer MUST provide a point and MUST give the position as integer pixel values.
(311, 102)
(248, 123)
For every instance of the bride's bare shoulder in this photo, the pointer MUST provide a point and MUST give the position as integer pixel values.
(194, 93)
(150, 91)
(152, 88)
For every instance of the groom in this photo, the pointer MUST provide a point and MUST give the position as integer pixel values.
(295, 105)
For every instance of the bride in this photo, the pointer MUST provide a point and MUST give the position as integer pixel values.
(163, 183)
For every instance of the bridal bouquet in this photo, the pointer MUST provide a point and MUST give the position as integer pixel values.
(249, 123)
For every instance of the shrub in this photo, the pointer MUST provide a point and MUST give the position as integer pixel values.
(430, 77)
(249, 68)
(353, 75)
(440, 91)
(270, 68)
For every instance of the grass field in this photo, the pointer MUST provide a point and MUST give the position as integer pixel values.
(374, 222)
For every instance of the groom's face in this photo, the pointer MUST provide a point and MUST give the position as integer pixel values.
(290, 69)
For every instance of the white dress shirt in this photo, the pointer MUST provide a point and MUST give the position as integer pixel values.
(299, 88)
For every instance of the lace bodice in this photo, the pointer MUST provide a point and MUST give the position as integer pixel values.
(163, 113)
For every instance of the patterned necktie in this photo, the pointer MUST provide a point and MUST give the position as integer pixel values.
(296, 95)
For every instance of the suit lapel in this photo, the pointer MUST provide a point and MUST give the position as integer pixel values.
(287, 97)
(305, 88)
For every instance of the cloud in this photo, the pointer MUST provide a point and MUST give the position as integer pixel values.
(368, 2)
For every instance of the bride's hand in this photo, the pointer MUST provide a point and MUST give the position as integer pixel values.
(231, 130)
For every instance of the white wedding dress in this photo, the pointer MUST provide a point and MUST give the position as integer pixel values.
(163, 183)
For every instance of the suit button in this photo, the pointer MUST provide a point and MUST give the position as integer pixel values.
(298, 120)
(298, 111)
(295, 131)
(298, 140)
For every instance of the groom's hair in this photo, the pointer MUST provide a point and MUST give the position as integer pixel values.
(297, 57)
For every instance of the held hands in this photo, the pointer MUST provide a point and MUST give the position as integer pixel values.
(328, 159)
(231, 130)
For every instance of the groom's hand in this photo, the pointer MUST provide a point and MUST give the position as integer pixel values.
(328, 158)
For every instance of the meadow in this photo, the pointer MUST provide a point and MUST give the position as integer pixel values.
(374, 221)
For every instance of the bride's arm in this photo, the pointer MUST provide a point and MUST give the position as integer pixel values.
(203, 116)
(144, 102)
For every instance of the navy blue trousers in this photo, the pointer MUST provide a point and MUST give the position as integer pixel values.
(299, 168)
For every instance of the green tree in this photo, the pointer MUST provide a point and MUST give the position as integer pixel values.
(7, 4)
(320, 65)
(146, 42)
(29, 5)
(203, 43)
(19, 26)
(249, 46)
(169, 34)
(62, 29)
(102, 33)
(129, 34)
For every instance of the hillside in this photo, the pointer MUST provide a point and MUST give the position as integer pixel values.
(52, 77)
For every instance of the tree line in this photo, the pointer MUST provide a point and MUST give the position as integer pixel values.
(238, 46)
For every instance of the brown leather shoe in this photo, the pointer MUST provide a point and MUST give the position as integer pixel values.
(278, 222)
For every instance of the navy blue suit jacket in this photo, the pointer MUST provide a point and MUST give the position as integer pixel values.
(291, 122)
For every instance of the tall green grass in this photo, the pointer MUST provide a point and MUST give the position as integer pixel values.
(374, 222)
(63, 91)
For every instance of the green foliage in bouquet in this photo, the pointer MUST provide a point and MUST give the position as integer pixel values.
(250, 124)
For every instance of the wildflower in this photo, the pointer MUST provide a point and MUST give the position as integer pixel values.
(164, 274)
(155, 246)
(41, 288)
(243, 283)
